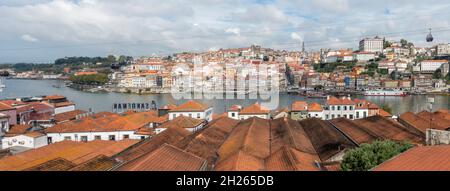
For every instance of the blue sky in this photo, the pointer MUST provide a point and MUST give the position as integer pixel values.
(43, 30)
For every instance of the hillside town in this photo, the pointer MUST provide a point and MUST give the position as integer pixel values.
(378, 67)
(48, 133)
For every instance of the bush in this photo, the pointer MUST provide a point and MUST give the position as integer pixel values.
(368, 156)
(94, 79)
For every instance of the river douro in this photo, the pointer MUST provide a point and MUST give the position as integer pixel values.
(104, 101)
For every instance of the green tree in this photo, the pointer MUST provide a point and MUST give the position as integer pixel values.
(368, 156)
(94, 79)
(387, 44)
(437, 74)
(404, 43)
(383, 71)
(387, 108)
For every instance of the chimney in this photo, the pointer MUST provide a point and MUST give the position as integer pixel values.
(328, 97)
(349, 98)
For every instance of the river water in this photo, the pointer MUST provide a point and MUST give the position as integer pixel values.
(104, 101)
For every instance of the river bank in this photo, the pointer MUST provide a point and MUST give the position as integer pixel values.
(103, 101)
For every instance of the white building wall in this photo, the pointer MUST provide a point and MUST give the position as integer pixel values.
(361, 113)
(316, 114)
(91, 136)
(333, 112)
(24, 141)
(59, 110)
(262, 116)
(207, 114)
(233, 115)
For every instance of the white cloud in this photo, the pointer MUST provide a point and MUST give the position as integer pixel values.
(29, 38)
(295, 36)
(141, 27)
(235, 30)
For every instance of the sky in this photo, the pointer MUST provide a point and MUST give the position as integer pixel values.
(43, 30)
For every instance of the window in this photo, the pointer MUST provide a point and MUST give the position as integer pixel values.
(351, 116)
(190, 115)
(142, 137)
(233, 114)
(49, 140)
(198, 115)
(339, 108)
(67, 138)
(112, 137)
(345, 108)
(84, 138)
(332, 108)
(338, 116)
(327, 116)
(351, 108)
(332, 116)
(98, 137)
(126, 136)
(345, 116)
(174, 116)
(357, 115)
(364, 114)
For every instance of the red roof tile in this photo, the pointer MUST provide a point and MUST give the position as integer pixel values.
(190, 105)
(422, 158)
(299, 106)
(166, 158)
(254, 109)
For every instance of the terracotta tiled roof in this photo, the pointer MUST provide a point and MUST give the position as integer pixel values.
(331, 166)
(58, 164)
(190, 105)
(217, 116)
(68, 116)
(383, 128)
(170, 136)
(99, 163)
(4, 107)
(339, 101)
(107, 123)
(356, 133)
(207, 142)
(299, 106)
(75, 152)
(254, 109)
(290, 159)
(249, 135)
(235, 108)
(422, 123)
(384, 113)
(12, 103)
(18, 129)
(55, 97)
(315, 107)
(34, 134)
(326, 140)
(35, 106)
(439, 121)
(290, 146)
(183, 122)
(241, 161)
(167, 158)
(422, 158)
(63, 104)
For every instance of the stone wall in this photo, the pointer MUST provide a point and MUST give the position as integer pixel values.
(437, 137)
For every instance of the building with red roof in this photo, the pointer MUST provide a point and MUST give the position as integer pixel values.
(192, 109)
